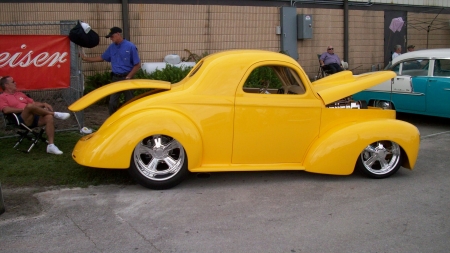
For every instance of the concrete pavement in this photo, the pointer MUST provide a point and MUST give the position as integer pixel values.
(247, 212)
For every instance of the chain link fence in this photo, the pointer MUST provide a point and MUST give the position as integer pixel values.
(60, 99)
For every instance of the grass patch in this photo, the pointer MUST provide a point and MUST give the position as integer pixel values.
(39, 169)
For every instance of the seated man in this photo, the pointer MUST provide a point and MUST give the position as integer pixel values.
(330, 61)
(31, 113)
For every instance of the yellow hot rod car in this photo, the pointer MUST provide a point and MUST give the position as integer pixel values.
(218, 118)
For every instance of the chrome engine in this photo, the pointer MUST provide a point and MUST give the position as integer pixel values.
(348, 103)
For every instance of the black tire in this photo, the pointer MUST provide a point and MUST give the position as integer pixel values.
(380, 159)
(363, 104)
(149, 162)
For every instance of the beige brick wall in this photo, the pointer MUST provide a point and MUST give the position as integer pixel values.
(366, 40)
(161, 29)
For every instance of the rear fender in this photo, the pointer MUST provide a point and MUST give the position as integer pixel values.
(337, 151)
(112, 145)
(106, 90)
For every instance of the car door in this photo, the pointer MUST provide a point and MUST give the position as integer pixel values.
(410, 86)
(274, 128)
(438, 93)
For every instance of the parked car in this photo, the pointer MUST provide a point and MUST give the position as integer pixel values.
(247, 110)
(422, 85)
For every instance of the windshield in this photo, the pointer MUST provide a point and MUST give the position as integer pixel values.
(388, 66)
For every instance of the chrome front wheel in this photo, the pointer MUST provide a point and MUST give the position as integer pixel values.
(380, 159)
(159, 162)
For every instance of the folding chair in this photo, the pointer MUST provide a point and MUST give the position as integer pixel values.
(33, 134)
(321, 72)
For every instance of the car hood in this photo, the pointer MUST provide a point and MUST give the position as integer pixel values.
(344, 84)
(115, 87)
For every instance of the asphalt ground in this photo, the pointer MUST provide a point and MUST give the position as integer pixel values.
(290, 211)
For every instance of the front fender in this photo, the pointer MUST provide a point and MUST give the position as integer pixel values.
(112, 146)
(336, 152)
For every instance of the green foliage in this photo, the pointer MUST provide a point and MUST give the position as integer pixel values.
(96, 81)
(38, 168)
(170, 74)
(261, 75)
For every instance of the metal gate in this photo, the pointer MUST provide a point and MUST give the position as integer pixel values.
(60, 99)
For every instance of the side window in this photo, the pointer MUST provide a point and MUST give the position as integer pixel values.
(415, 68)
(274, 80)
(441, 68)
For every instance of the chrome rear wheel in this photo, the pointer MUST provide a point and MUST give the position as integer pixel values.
(158, 162)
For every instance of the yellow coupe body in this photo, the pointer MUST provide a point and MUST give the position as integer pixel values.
(215, 120)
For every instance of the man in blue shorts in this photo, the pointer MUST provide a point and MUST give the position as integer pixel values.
(125, 62)
(31, 113)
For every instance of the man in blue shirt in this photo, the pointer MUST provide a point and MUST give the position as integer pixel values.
(124, 60)
(330, 61)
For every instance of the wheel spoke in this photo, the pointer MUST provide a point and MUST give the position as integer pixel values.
(369, 162)
(142, 149)
(145, 168)
(384, 164)
(370, 149)
(153, 165)
(157, 140)
(172, 164)
(173, 144)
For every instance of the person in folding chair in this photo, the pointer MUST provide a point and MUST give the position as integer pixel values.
(330, 61)
(29, 112)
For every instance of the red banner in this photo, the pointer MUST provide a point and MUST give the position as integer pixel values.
(36, 61)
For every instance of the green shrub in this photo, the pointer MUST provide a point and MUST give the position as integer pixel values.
(260, 75)
(170, 74)
(96, 81)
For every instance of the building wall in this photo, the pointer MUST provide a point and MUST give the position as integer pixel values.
(366, 40)
(444, 3)
(161, 29)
